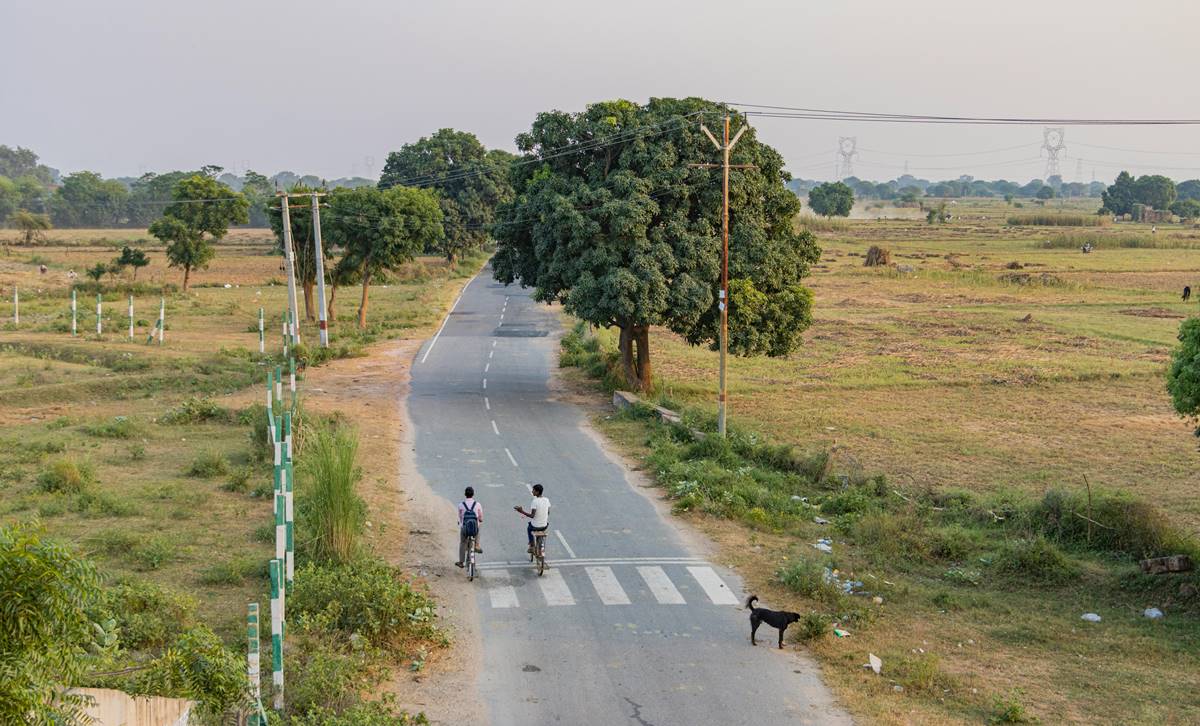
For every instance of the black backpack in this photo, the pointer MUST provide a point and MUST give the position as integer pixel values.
(470, 522)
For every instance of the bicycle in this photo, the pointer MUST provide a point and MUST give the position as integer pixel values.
(470, 563)
(539, 551)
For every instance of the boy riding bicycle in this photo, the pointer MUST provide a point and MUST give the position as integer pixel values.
(470, 521)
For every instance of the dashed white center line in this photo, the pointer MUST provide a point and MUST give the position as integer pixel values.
(510, 457)
(487, 367)
(493, 344)
(491, 353)
(485, 384)
(494, 428)
(501, 316)
(487, 404)
(566, 546)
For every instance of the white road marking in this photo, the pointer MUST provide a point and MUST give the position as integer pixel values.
(588, 561)
(487, 367)
(510, 457)
(528, 487)
(713, 586)
(486, 404)
(446, 319)
(491, 353)
(501, 316)
(606, 585)
(493, 344)
(566, 546)
(660, 585)
(485, 384)
(494, 428)
(502, 594)
(554, 589)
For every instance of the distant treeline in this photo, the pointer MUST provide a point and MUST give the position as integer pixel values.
(85, 199)
(909, 188)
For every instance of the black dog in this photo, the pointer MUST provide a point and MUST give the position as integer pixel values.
(778, 619)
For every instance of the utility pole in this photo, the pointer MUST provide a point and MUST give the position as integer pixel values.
(723, 301)
(294, 328)
(322, 321)
(847, 150)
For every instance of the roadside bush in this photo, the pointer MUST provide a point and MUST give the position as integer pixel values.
(233, 572)
(329, 670)
(893, 536)
(239, 481)
(261, 448)
(90, 503)
(1122, 524)
(331, 510)
(1009, 709)
(1036, 560)
(153, 554)
(194, 410)
(811, 627)
(196, 666)
(920, 673)
(208, 464)
(367, 597)
(362, 714)
(148, 615)
(67, 475)
(807, 578)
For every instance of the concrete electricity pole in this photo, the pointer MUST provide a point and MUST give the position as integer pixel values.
(322, 321)
(294, 327)
(723, 302)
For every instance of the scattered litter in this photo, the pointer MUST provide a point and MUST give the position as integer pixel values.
(1090, 617)
(877, 600)
(874, 663)
(830, 428)
(797, 498)
(227, 286)
(820, 520)
(1153, 613)
(889, 583)
(898, 688)
(825, 545)
(841, 633)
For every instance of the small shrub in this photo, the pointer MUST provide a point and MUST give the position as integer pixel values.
(895, 536)
(103, 504)
(264, 533)
(231, 572)
(367, 597)
(239, 481)
(120, 427)
(370, 713)
(114, 542)
(196, 410)
(1126, 525)
(53, 508)
(811, 627)
(1037, 560)
(137, 452)
(148, 615)
(153, 554)
(851, 501)
(807, 578)
(963, 576)
(330, 670)
(952, 543)
(208, 464)
(919, 673)
(67, 475)
(1009, 709)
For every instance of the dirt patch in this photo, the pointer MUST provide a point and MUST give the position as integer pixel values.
(1151, 313)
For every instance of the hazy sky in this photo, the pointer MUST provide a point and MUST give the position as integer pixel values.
(124, 87)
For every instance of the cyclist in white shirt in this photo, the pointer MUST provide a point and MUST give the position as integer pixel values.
(538, 514)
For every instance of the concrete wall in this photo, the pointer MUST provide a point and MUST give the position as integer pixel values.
(117, 708)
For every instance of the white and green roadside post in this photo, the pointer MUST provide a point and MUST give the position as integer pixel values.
(74, 315)
(262, 340)
(98, 313)
(162, 319)
(253, 664)
(286, 334)
(292, 380)
(279, 385)
(131, 317)
(288, 511)
(277, 632)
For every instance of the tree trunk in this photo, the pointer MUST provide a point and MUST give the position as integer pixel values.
(308, 300)
(187, 272)
(636, 363)
(362, 306)
(329, 308)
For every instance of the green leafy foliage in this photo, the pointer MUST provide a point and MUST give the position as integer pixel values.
(1183, 377)
(304, 253)
(186, 222)
(197, 666)
(45, 631)
(1152, 190)
(67, 475)
(331, 512)
(831, 199)
(627, 231)
(471, 181)
(31, 224)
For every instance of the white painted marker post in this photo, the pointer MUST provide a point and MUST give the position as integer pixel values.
(262, 341)
(277, 632)
(252, 661)
(16, 307)
(131, 317)
(97, 313)
(74, 315)
(162, 319)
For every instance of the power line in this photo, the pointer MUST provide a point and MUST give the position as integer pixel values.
(841, 115)
(961, 153)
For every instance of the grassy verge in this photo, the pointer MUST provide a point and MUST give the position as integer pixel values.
(973, 600)
(149, 460)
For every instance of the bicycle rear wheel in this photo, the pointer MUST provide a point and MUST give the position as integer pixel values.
(471, 559)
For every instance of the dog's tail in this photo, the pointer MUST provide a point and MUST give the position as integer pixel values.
(750, 603)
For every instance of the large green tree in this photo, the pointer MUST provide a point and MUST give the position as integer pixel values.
(1189, 189)
(260, 193)
(380, 229)
(86, 199)
(1156, 190)
(471, 181)
(1183, 377)
(199, 215)
(1120, 197)
(613, 219)
(831, 199)
(303, 247)
(45, 630)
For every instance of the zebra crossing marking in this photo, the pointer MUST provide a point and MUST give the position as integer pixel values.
(660, 585)
(500, 592)
(555, 590)
(713, 586)
(606, 585)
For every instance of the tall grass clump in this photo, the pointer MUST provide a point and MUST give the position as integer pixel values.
(1049, 219)
(820, 224)
(1123, 240)
(330, 504)
(67, 475)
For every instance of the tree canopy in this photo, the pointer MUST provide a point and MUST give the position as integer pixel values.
(380, 229)
(1153, 190)
(1183, 377)
(625, 232)
(202, 206)
(303, 242)
(85, 199)
(831, 199)
(471, 180)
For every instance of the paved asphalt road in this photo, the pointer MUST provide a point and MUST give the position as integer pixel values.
(627, 626)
